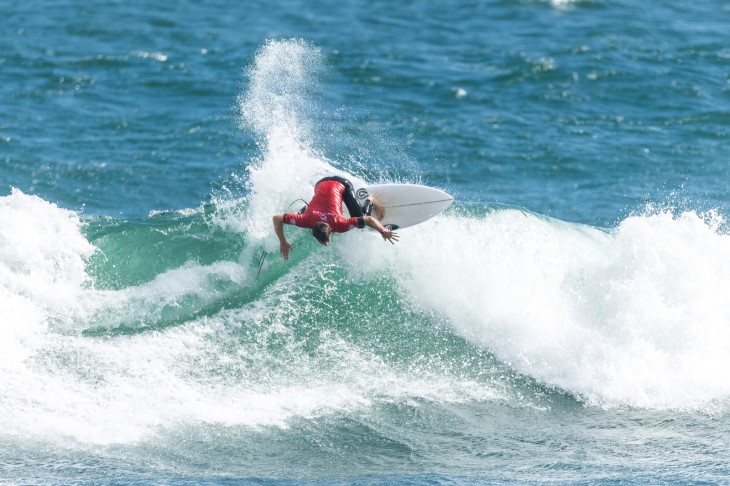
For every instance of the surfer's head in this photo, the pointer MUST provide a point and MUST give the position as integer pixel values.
(321, 231)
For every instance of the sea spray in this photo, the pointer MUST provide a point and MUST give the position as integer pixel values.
(275, 106)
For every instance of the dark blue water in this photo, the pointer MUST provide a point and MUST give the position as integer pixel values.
(565, 321)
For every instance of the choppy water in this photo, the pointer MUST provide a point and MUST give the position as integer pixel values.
(566, 320)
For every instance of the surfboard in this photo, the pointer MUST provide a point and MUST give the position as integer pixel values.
(406, 204)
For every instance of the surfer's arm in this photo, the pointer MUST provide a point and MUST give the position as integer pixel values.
(284, 246)
(391, 236)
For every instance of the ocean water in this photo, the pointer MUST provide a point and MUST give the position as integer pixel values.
(566, 321)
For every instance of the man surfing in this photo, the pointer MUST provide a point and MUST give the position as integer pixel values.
(324, 214)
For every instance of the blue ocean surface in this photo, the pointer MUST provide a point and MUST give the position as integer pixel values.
(565, 321)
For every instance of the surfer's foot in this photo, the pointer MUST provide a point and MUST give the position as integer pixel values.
(377, 207)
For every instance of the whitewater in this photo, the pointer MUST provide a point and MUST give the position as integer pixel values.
(629, 316)
(493, 343)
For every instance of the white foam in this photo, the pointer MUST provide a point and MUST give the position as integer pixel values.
(561, 4)
(42, 254)
(157, 56)
(637, 316)
(40, 245)
(144, 305)
(57, 382)
(240, 367)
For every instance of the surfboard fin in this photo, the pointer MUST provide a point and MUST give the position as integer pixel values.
(391, 227)
(262, 259)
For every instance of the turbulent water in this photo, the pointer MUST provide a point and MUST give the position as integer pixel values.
(565, 321)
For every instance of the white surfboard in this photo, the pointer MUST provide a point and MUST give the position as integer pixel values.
(406, 204)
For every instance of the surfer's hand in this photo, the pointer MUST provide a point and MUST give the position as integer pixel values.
(284, 249)
(284, 246)
(391, 236)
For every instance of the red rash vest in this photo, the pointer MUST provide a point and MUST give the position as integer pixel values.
(326, 205)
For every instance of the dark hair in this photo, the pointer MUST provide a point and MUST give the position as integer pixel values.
(321, 231)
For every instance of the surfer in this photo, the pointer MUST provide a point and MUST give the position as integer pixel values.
(324, 215)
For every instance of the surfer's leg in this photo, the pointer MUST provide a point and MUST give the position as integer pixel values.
(349, 199)
(373, 204)
(367, 206)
